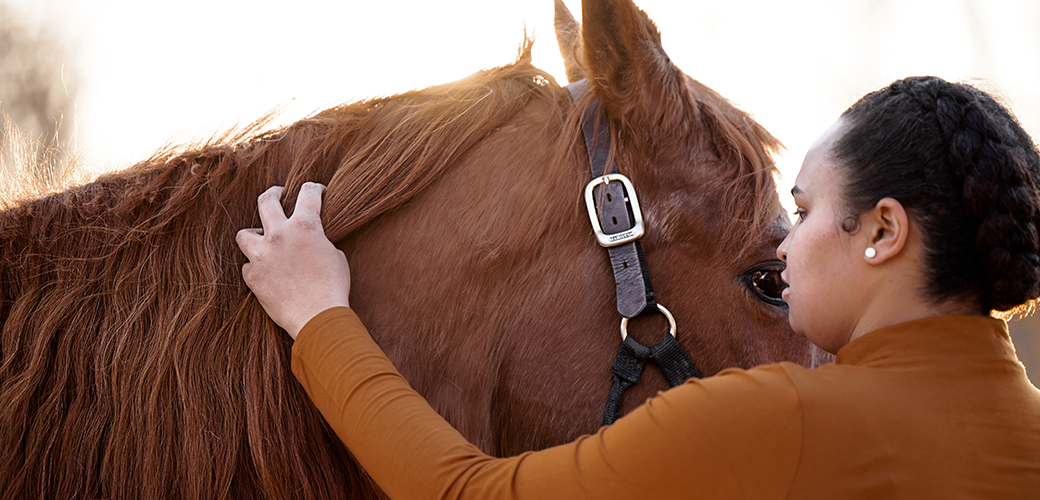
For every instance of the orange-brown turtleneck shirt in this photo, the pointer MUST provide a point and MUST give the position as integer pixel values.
(933, 408)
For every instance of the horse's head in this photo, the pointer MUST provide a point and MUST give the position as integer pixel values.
(703, 172)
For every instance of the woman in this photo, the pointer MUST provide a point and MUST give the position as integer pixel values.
(917, 215)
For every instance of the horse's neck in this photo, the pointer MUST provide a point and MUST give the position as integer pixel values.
(448, 281)
(123, 309)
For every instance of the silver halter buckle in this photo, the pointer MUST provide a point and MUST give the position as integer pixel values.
(613, 240)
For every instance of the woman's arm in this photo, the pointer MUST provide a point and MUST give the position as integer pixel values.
(734, 436)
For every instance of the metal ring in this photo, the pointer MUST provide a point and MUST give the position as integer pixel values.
(662, 310)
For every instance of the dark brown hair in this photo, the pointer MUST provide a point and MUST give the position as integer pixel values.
(966, 172)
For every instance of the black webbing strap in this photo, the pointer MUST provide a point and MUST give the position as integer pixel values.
(628, 366)
(634, 289)
(630, 361)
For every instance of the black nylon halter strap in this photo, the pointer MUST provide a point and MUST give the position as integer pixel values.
(630, 361)
(634, 289)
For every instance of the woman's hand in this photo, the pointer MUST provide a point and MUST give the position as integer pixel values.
(293, 269)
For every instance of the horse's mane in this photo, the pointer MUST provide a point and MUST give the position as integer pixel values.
(133, 360)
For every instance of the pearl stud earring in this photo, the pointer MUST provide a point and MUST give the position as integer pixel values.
(870, 253)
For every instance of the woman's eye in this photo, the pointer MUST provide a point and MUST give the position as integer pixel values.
(800, 214)
(767, 285)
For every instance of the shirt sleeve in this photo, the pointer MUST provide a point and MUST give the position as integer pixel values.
(735, 435)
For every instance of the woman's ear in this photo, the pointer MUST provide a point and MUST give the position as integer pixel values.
(886, 227)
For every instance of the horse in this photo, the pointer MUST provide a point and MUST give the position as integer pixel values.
(134, 362)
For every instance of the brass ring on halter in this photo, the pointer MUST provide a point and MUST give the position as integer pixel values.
(667, 315)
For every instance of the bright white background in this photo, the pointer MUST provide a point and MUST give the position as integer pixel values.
(160, 72)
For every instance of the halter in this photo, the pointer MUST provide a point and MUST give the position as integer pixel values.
(618, 225)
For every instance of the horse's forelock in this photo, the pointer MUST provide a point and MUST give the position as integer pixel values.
(743, 176)
(721, 149)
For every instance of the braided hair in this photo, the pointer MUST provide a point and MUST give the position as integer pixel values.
(965, 171)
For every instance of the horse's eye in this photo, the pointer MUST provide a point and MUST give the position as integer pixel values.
(767, 285)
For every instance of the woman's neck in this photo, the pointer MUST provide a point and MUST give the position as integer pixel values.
(901, 302)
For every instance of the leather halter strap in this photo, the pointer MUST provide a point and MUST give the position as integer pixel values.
(634, 290)
(616, 208)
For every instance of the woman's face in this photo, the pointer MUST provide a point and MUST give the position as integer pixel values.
(822, 266)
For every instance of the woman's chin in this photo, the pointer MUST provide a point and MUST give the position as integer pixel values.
(796, 327)
(792, 319)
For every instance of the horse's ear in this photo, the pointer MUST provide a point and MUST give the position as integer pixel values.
(568, 36)
(627, 65)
